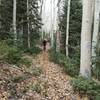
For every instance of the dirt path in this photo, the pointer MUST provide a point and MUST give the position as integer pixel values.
(56, 84)
(51, 84)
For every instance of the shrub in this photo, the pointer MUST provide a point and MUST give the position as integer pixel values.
(57, 57)
(96, 62)
(13, 56)
(18, 79)
(9, 54)
(71, 69)
(36, 87)
(69, 65)
(4, 49)
(33, 50)
(36, 71)
(85, 86)
(24, 61)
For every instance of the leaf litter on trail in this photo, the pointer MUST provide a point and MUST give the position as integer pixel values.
(44, 80)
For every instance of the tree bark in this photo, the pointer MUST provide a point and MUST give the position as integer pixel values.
(58, 32)
(29, 45)
(96, 27)
(0, 16)
(41, 10)
(85, 66)
(52, 25)
(14, 21)
(67, 27)
(58, 41)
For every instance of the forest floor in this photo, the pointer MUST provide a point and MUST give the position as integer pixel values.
(44, 80)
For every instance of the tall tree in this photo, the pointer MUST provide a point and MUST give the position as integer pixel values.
(6, 12)
(9, 11)
(29, 45)
(85, 66)
(14, 21)
(0, 15)
(96, 27)
(74, 28)
(58, 32)
(52, 24)
(67, 26)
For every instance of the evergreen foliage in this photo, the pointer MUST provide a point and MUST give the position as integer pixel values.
(88, 87)
(74, 27)
(6, 13)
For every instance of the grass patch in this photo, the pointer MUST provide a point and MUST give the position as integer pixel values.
(36, 71)
(36, 87)
(18, 79)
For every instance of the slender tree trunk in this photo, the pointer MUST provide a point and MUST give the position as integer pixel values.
(52, 25)
(67, 27)
(58, 32)
(58, 41)
(93, 8)
(85, 67)
(98, 43)
(0, 15)
(22, 31)
(29, 45)
(41, 7)
(96, 27)
(43, 14)
(14, 21)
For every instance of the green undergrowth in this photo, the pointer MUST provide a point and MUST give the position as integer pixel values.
(15, 56)
(96, 65)
(87, 87)
(36, 71)
(36, 87)
(28, 74)
(69, 65)
(33, 50)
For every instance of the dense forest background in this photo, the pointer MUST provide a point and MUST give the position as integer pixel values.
(75, 45)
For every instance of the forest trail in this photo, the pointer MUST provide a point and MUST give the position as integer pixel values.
(51, 84)
(58, 83)
(55, 83)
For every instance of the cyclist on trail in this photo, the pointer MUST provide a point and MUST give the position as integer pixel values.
(44, 44)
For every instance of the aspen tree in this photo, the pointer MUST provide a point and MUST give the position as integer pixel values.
(85, 66)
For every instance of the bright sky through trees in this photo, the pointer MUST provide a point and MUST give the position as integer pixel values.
(49, 15)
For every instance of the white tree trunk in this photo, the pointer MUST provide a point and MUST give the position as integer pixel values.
(52, 24)
(85, 66)
(58, 32)
(96, 27)
(67, 27)
(52, 38)
(14, 21)
(58, 41)
(41, 10)
(29, 45)
(98, 43)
